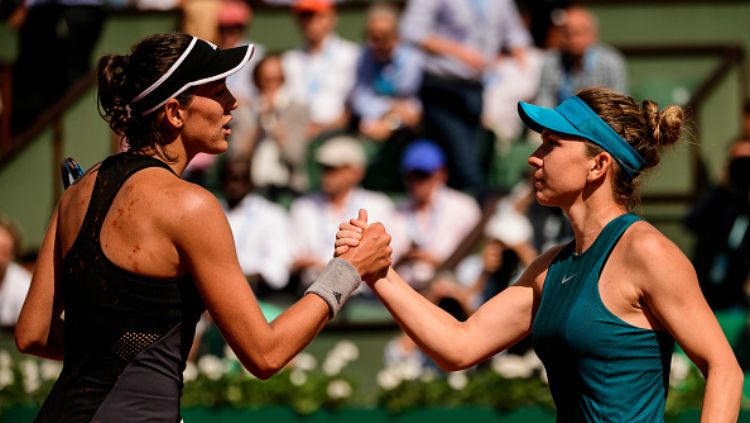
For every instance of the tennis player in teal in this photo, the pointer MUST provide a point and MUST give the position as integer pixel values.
(604, 310)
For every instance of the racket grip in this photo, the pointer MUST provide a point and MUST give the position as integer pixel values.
(70, 170)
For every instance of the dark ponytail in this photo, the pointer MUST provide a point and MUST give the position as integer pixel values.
(123, 77)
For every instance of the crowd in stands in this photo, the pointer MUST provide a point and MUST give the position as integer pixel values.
(403, 125)
(407, 125)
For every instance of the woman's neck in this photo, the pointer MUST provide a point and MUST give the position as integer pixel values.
(589, 217)
(173, 154)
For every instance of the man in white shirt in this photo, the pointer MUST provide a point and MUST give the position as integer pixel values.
(321, 73)
(260, 228)
(316, 217)
(436, 218)
(14, 279)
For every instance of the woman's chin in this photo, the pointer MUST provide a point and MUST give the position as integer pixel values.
(543, 200)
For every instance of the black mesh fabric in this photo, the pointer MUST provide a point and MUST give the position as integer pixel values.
(113, 317)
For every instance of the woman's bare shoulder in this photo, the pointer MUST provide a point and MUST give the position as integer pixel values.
(642, 242)
(654, 261)
(180, 199)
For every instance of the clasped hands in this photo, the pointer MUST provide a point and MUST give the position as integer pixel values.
(365, 246)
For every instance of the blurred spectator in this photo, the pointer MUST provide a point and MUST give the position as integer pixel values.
(278, 146)
(581, 62)
(746, 120)
(14, 279)
(147, 5)
(63, 32)
(720, 221)
(445, 291)
(539, 17)
(509, 81)
(316, 217)
(235, 18)
(388, 77)
(550, 226)
(200, 18)
(384, 100)
(436, 218)
(508, 250)
(260, 229)
(321, 72)
(461, 40)
(402, 351)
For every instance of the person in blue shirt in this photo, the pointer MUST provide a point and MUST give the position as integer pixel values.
(385, 99)
(461, 40)
(603, 311)
(389, 73)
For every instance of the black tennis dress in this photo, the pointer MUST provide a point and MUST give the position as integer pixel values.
(127, 336)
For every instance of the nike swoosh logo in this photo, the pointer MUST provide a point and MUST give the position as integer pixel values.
(567, 278)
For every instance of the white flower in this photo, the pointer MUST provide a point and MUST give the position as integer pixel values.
(233, 393)
(680, 369)
(458, 380)
(428, 375)
(305, 361)
(190, 373)
(543, 376)
(30, 374)
(229, 354)
(511, 366)
(347, 350)
(298, 377)
(339, 388)
(388, 379)
(6, 360)
(333, 365)
(50, 370)
(409, 369)
(211, 366)
(532, 360)
(6, 377)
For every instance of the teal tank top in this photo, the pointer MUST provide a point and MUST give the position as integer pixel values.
(600, 368)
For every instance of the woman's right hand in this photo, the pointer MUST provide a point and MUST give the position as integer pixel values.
(365, 246)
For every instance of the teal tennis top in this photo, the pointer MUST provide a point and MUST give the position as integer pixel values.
(600, 368)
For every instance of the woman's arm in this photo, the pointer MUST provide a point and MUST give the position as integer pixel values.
(495, 326)
(39, 330)
(203, 237)
(671, 292)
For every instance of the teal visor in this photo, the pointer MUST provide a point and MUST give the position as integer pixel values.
(574, 117)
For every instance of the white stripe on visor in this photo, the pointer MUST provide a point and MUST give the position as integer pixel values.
(176, 71)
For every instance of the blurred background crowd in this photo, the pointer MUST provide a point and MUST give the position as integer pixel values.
(415, 121)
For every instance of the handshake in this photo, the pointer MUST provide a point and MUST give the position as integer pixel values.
(362, 252)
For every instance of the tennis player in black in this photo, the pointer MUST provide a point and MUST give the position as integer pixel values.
(134, 254)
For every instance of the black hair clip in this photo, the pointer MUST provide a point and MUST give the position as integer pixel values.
(71, 171)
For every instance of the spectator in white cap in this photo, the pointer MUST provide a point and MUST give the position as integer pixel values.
(436, 218)
(316, 217)
(506, 253)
